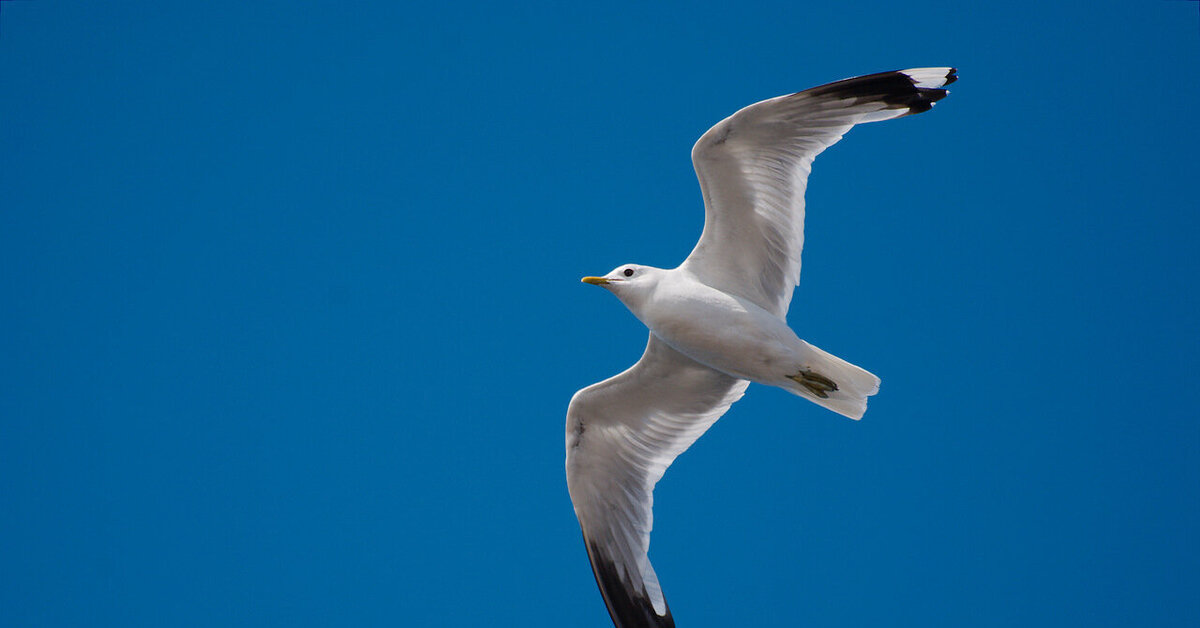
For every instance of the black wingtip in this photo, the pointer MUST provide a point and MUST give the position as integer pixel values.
(896, 89)
(930, 96)
(629, 607)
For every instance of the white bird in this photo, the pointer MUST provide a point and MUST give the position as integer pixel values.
(718, 322)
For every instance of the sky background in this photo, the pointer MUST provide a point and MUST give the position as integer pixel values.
(290, 313)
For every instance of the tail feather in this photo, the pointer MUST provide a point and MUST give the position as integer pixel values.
(854, 384)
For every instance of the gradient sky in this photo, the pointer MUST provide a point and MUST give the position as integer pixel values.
(290, 313)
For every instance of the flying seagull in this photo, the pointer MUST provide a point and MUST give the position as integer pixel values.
(718, 322)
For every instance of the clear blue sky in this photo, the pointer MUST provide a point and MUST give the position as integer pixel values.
(290, 313)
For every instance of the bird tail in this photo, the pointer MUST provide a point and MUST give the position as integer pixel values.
(834, 383)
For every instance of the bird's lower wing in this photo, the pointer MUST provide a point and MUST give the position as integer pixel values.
(622, 434)
(753, 169)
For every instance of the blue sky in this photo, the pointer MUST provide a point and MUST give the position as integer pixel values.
(290, 313)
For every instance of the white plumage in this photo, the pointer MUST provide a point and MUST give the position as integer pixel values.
(718, 322)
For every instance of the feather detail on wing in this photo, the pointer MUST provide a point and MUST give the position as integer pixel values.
(622, 434)
(753, 169)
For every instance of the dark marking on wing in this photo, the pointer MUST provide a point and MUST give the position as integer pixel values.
(627, 601)
(894, 88)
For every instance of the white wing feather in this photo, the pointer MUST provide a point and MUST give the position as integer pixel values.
(622, 434)
(753, 169)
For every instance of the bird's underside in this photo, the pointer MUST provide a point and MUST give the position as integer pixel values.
(623, 433)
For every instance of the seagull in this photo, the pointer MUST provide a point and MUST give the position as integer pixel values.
(718, 322)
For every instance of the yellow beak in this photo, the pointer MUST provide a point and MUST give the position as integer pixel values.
(595, 281)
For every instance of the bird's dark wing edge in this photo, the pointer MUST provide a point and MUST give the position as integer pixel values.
(627, 607)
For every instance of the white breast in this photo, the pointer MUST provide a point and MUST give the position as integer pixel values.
(727, 333)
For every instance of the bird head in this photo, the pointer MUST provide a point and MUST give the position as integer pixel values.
(630, 282)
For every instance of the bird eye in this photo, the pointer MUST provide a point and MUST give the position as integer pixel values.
(628, 272)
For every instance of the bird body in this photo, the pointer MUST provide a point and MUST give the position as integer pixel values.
(720, 330)
(734, 335)
(718, 322)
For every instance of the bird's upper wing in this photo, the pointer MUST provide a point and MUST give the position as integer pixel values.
(753, 168)
(622, 434)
